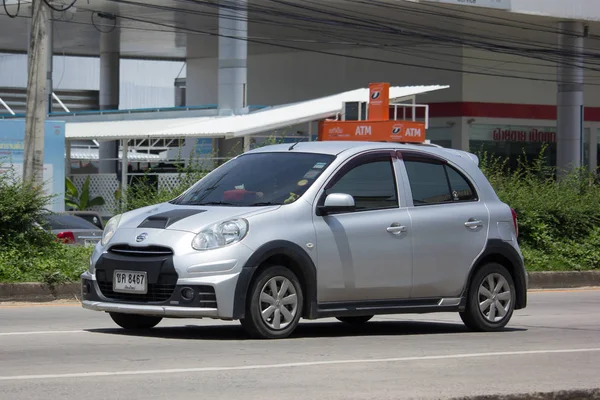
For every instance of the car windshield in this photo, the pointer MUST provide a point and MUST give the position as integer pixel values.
(258, 180)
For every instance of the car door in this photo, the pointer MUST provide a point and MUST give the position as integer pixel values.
(365, 254)
(450, 225)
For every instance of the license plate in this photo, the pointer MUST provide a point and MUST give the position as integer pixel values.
(130, 282)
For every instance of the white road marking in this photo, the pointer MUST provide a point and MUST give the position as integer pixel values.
(288, 365)
(41, 333)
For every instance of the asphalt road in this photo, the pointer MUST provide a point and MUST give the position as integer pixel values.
(65, 352)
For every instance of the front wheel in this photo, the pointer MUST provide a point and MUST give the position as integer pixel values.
(135, 322)
(274, 304)
(491, 299)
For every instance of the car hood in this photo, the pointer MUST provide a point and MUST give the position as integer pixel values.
(185, 218)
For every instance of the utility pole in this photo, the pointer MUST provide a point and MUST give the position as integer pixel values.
(37, 100)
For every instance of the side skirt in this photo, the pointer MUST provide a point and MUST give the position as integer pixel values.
(379, 307)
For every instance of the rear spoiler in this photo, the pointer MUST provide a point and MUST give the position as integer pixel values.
(466, 154)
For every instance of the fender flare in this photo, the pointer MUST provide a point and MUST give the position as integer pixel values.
(263, 253)
(498, 247)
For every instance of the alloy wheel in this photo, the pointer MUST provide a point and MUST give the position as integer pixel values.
(278, 302)
(494, 297)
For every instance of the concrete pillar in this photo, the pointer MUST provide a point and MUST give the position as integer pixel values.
(232, 73)
(233, 56)
(109, 94)
(570, 97)
(49, 63)
(593, 146)
(460, 133)
(180, 90)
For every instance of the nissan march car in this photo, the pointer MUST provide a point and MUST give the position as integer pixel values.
(317, 229)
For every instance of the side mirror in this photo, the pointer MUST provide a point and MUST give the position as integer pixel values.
(337, 202)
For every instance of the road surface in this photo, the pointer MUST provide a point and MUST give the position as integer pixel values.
(58, 351)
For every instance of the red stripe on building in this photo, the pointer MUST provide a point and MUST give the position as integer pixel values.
(498, 110)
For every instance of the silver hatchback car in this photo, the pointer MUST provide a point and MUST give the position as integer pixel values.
(316, 229)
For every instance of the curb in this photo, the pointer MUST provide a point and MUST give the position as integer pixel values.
(590, 394)
(37, 292)
(563, 280)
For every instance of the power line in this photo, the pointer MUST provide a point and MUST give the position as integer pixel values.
(328, 53)
(8, 13)
(520, 51)
(389, 48)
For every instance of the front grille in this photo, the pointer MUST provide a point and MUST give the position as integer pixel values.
(207, 297)
(157, 293)
(141, 251)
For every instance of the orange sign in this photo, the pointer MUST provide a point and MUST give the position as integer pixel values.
(373, 131)
(379, 101)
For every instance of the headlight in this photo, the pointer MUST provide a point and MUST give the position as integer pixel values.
(221, 234)
(110, 229)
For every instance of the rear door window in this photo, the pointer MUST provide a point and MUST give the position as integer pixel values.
(434, 182)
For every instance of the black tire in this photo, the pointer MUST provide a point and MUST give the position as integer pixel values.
(135, 322)
(253, 321)
(358, 320)
(476, 319)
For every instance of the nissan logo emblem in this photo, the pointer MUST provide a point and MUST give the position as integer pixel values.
(141, 237)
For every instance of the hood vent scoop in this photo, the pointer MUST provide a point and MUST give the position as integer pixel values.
(166, 219)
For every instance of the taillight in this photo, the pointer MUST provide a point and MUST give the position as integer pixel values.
(66, 237)
(515, 221)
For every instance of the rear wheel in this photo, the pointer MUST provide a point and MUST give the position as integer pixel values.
(491, 299)
(274, 304)
(358, 320)
(135, 322)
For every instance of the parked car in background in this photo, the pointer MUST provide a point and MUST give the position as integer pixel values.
(90, 216)
(71, 229)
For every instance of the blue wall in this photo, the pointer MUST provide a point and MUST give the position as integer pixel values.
(12, 144)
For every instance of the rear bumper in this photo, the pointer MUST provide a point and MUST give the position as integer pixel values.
(158, 311)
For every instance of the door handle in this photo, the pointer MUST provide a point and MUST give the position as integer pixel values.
(473, 224)
(396, 229)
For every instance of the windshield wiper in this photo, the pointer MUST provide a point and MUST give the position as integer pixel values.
(264, 203)
(215, 203)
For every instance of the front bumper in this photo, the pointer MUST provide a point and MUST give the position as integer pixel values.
(158, 311)
(212, 279)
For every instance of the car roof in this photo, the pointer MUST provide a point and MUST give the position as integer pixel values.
(352, 147)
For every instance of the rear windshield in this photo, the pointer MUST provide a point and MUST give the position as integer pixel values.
(258, 179)
(60, 221)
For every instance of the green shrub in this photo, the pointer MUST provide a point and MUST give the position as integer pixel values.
(559, 220)
(52, 264)
(27, 252)
(21, 205)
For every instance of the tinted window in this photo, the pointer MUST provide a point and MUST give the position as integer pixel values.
(373, 185)
(461, 189)
(433, 183)
(60, 221)
(258, 179)
(428, 182)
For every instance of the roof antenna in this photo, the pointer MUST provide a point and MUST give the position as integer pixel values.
(294, 145)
